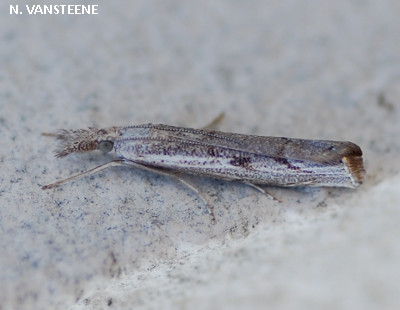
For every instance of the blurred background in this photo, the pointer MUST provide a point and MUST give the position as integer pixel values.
(128, 239)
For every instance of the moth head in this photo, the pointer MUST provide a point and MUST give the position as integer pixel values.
(85, 140)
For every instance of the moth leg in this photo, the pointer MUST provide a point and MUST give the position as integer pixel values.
(85, 173)
(260, 189)
(177, 177)
(121, 162)
(197, 191)
(214, 123)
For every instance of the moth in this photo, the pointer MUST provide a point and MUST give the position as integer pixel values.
(254, 160)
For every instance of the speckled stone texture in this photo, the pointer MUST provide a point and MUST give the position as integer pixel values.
(130, 239)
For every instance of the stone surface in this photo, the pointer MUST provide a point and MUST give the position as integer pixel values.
(128, 239)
